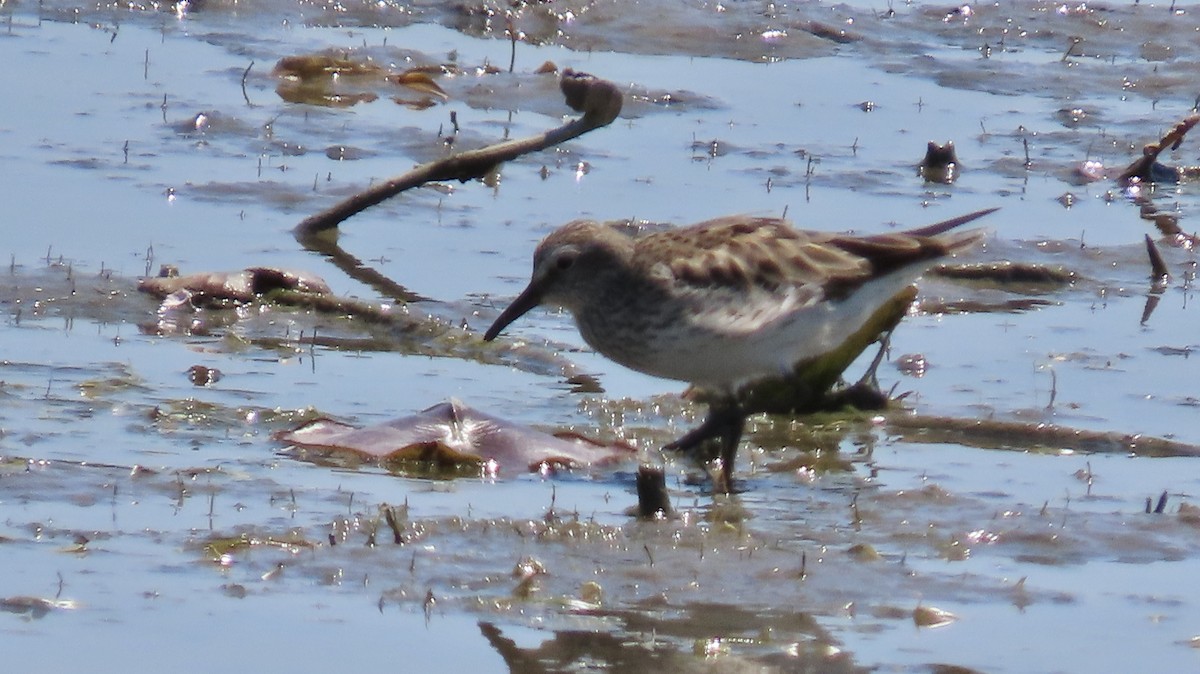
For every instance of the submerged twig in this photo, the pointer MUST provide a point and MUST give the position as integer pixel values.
(1152, 300)
(1075, 42)
(1006, 274)
(993, 433)
(512, 36)
(1159, 276)
(599, 101)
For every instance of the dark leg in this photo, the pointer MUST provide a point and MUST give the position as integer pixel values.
(725, 422)
(729, 447)
(871, 376)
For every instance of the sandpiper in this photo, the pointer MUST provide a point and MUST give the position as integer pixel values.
(729, 302)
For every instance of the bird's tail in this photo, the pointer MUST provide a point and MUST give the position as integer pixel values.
(946, 225)
(957, 241)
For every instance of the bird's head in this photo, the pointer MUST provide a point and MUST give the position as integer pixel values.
(566, 266)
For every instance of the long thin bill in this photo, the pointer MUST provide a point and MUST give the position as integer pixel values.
(528, 299)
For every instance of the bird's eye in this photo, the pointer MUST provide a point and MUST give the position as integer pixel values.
(564, 261)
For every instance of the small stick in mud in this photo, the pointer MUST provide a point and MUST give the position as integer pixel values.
(245, 76)
(1160, 507)
(512, 36)
(389, 515)
(599, 100)
(1075, 42)
(1158, 267)
(1159, 276)
(654, 502)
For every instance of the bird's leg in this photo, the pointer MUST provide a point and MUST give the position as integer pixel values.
(721, 418)
(729, 446)
(725, 422)
(871, 376)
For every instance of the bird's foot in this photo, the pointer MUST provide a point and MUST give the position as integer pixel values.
(865, 394)
(724, 423)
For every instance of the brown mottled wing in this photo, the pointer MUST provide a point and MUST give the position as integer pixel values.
(743, 253)
(739, 274)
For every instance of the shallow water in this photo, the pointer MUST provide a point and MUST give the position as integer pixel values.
(129, 142)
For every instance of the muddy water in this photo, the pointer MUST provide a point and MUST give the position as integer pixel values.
(145, 516)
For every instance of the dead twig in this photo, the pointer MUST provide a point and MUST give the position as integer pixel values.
(1146, 167)
(245, 75)
(599, 101)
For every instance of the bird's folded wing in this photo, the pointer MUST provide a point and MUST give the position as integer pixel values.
(739, 252)
(741, 274)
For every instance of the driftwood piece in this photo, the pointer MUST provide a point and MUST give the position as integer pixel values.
(244, 285)
(1024, 436)
(599, 101)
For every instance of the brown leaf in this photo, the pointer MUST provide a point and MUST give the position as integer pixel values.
(419, 81)
(929, 616)
(415, 103)
(313, 66)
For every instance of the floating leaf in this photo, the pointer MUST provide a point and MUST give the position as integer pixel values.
(220, 548)
(420, 81)
(864, 552)
(929, 616)
(313, 66)
(592, 593)
(415, 103)
(319, 95)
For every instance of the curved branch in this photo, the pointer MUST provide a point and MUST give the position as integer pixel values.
(598, 100)
(1145, 168)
